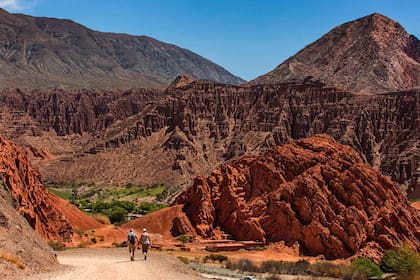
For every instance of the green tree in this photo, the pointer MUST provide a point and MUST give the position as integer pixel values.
(368, 267)
(116, 214)
(403, 260)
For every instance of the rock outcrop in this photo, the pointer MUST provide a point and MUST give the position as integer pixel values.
(52, 217)
(187, 130)
(373, 54)
(168, 222)
(313, 191)
(40, 52)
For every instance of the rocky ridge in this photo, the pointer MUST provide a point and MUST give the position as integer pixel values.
(373, 54)
(40, 52)
(312, 191)
(192, 128)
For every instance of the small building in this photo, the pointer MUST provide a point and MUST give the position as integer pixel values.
(133, 216)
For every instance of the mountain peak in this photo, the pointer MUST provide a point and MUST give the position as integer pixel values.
(372, 54)
(181, 81)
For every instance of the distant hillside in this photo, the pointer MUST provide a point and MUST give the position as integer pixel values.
(145, 136)
(369, 55)
(40, 52)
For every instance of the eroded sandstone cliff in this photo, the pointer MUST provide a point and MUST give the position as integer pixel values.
(188, 129)
(313, 191)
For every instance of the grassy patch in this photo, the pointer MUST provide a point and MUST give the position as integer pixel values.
(138, 191)
(12, 259)
(63, 194)
(149, 207)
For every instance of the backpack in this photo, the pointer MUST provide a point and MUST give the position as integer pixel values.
(132, 238)
(145, 238)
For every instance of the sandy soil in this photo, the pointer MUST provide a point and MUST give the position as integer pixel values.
(114, 263)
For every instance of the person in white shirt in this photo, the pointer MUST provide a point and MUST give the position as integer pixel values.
(145, 242)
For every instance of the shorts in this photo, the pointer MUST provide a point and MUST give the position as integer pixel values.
(131, 247)
(145, 247)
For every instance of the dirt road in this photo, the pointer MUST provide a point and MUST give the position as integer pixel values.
(114, 264)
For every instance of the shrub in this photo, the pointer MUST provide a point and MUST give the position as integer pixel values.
(230, 264)
(184, 260)
(117, 215)
(368, 267)
(183, 238)
(328, 269)
(402, 261)
(247, 265)
(12, 259)
(148, 207)
(281, 267)
(215, 257)
(301, 267)
(354, 274)
(102, 219)
(118, 244)
(56, 246)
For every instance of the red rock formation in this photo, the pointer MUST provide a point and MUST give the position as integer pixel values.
(19, 240)
(168, 222)
(190, 129)
(313, 191)
(199, 125)
(52, 217)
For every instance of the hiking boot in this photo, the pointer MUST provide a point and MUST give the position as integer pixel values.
(145, 257)
(132, 258)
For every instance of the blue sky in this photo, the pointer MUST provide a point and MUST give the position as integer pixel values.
(247, 37)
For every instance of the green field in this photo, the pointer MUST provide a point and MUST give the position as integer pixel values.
(61, 193)
(113, 201)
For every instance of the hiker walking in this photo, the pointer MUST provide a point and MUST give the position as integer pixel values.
(132, 240)
(145, 242)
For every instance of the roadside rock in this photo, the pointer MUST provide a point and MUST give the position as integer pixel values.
(20, 243)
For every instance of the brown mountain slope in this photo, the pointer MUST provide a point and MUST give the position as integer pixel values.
(39, 52)
(52, 217)
(18, 240)
(147, 137)
(373, 54)
(312, 191)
